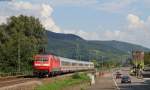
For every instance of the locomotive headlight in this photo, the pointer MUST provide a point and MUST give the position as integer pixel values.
(41, 64)
(37, 64)
(45, 64)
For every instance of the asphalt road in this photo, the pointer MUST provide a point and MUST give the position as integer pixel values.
(137, 84)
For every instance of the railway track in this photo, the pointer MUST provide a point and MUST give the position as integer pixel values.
(4, 82)
(10, 81)
(13, 81)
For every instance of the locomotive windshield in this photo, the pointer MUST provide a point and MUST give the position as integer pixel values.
(41, 59)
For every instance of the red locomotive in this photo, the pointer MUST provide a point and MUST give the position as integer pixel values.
(50, 65)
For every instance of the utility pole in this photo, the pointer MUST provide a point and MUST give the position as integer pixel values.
(89, 56)
(18, 51)
(77, 51)
(102, 61)
(121, 61)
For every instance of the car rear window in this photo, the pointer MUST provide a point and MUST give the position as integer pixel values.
(125, 77)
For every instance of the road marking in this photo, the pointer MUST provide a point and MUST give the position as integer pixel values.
(115, 82)
(146, 78)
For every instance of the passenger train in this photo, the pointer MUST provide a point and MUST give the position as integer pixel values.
(48, 65)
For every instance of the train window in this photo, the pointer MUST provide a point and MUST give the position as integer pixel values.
(74, 64)
(80, 64)
(65, 63)
(37, 59)
(44, 59)
(86, 64)
(41, 59)
(83, 64)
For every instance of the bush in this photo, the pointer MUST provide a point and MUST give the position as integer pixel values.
(76, 76)
(82, 76)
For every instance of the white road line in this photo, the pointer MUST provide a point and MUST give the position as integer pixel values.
(146, 78)
(115, 82)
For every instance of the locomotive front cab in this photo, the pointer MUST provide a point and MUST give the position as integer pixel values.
(41, 62)
(41, 65)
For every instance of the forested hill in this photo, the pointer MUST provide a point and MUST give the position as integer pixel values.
(73, 46)
(123, 46)
(62, 36)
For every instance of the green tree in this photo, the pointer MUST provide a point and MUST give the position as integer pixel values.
(147, 58)
(20, 38)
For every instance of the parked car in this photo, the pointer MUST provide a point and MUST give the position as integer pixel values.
(125, 79)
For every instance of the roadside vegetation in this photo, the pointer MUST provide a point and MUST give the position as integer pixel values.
(75, 79)
(147, 58)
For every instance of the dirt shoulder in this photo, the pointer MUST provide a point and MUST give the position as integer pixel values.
(103, 82)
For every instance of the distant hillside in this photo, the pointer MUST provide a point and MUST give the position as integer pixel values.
(73, 46)
(123, 46)
(62, 36)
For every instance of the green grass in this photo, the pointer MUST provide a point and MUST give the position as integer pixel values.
(59, 84)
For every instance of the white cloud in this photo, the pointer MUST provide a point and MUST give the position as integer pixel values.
(46, 10)
(134, 21)
(3, 19)
(48, 22)
(56, 29)
(41, 10)
(115, 6)
(21, 5)
(107, 6)
(74, 2)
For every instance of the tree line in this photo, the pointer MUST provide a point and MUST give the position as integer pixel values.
(20, 38)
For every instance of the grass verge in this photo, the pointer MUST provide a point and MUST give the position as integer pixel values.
(76, 78)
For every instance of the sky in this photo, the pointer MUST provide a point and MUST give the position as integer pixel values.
(122, 20)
